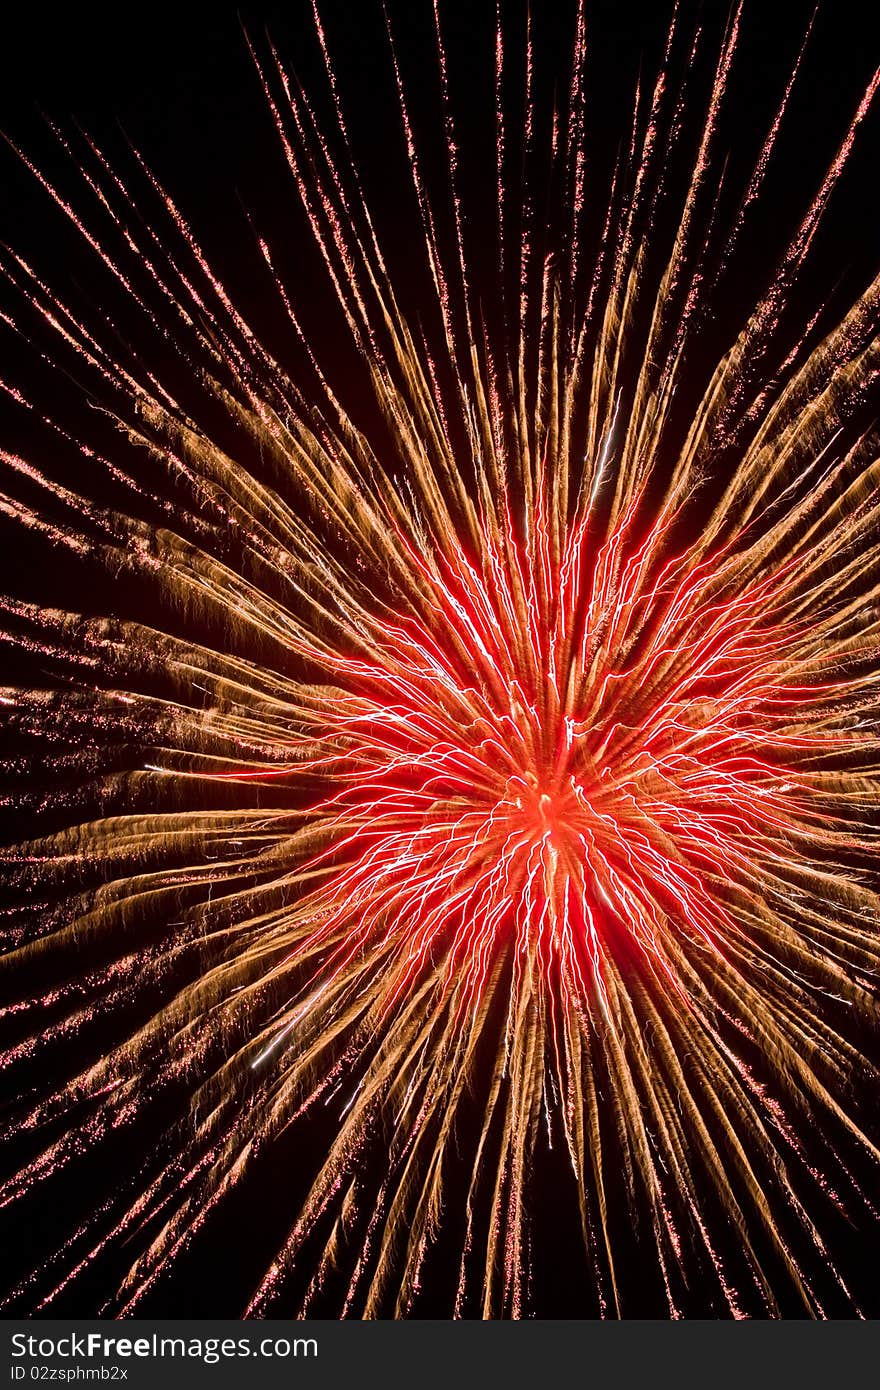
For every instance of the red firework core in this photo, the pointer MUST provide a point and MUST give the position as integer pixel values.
(549, 809)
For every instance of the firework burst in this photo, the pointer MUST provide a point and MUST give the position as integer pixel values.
(505, 768)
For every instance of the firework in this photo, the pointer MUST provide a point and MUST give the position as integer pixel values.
(505, 765)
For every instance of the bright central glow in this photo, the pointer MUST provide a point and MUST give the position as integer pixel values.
(549, 813)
